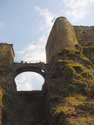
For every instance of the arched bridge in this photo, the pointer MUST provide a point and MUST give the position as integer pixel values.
(33, 67)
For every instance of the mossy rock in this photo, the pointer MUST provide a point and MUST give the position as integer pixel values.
(68, 73)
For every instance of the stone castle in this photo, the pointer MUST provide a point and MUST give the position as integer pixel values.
(67, 96)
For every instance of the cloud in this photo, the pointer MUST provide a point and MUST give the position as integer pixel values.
(46, 18)
(34, 52)
(77, 12)
(79, 9)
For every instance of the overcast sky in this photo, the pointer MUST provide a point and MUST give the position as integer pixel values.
(27, 23)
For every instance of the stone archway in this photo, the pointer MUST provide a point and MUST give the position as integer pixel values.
(39, 68)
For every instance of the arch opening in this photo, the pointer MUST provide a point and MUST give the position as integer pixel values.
(29, 81)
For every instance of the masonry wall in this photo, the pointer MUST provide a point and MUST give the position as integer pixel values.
(85, 35)
(30, 108)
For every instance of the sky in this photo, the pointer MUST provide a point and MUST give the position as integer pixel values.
(27, 24)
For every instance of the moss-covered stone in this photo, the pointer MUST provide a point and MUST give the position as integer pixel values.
(70, 92)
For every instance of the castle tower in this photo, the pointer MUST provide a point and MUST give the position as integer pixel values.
(6, 54)
(7, 84)
(6, 69)
(62, 36)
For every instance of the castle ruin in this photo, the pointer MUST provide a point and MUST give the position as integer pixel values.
(67, 96)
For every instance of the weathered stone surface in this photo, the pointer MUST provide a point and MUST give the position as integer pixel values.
(65, 35)
(62, 36)
(6, 54)
(70, 92)
(24, 108)
(70, 78)
(85, 35)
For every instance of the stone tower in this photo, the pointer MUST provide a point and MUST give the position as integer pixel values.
(6, 76)
(62, 36)
(6, 62)
(6, 54)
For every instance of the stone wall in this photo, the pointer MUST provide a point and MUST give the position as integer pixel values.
(85, 35)
(25, 108)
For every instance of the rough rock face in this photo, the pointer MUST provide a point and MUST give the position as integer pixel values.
(70, 89)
